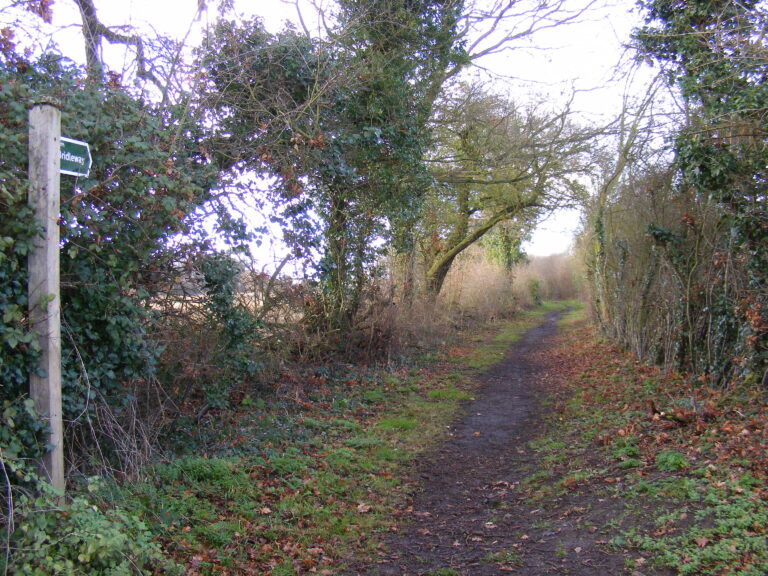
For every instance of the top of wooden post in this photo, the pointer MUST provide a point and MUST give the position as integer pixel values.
(44, 100)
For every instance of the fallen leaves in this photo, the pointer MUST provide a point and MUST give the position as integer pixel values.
(719, 436)
(606, 384)
(570, 482)
(701, 542)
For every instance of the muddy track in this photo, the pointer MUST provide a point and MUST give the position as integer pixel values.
(467, 515)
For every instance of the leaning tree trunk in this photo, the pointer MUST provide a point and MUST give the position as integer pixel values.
(441, 263)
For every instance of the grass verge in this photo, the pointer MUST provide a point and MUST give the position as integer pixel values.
(494, 349)
(677, 471)
(303, 481)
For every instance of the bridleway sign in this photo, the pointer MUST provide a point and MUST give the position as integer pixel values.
(75, 157)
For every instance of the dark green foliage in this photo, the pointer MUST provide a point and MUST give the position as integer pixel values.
(18, 347)
(131, 234)
(342, 128)
(77, 538)
(232, 328)
(149, 176)
(19, 441)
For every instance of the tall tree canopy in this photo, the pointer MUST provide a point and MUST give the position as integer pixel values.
(342, 126)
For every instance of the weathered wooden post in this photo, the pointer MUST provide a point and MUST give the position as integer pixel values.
(44, 297)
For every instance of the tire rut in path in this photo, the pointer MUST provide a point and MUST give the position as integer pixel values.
(466, 513)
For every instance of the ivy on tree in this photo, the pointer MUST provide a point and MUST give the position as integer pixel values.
(343, 127)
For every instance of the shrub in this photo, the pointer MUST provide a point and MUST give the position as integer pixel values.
(77, 538)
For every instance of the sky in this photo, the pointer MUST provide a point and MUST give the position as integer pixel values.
(579, 61)
(556, 62)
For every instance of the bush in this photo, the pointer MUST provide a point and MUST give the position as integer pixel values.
(77, 538)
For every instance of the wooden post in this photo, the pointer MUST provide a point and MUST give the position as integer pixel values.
(44, 298)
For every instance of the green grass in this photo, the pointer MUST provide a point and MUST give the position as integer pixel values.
(324, 477)
(671, 461)
(312, 478)
(573, 316)
(374, 396)
(450, 393)
(400, 423)
(493, 352)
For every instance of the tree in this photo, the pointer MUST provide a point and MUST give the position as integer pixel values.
(484, 29)
(152, 60)
(344, 122)
(495, 162)
(631, 132)
(343, 127)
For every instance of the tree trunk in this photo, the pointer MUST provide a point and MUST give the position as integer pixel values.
(335, 269)
(92, 34)
(436, 276)
(441, 263)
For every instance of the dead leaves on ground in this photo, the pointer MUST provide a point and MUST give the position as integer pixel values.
(667, 410)
(666, 427)
(308, 507)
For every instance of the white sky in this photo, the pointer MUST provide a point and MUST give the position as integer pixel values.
(580, 56)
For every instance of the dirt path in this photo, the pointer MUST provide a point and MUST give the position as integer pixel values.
(468, 515)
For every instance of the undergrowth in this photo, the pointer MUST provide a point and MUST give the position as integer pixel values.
(300, 481)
